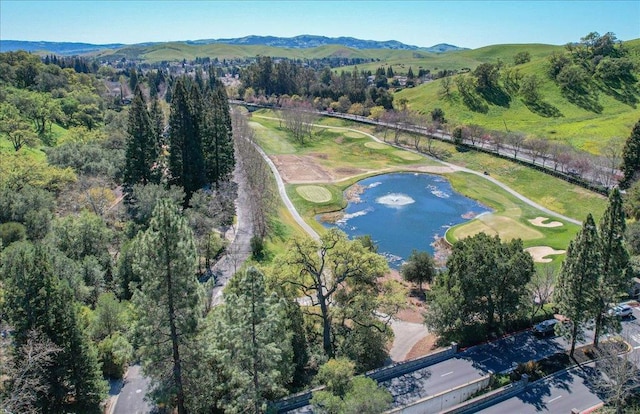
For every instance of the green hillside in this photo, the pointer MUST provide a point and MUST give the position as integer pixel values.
(582, 128)
(555, 118)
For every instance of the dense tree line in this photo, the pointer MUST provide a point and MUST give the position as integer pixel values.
(283, 78)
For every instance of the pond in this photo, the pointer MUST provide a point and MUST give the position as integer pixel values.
(402, 212)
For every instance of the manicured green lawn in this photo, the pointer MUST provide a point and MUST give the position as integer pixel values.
(510, 218)
(345, 149)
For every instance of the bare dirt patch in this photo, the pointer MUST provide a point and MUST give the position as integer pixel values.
(320, 155)
(342, 172)
(424, 347)
(300, 169)
(540, 253)
(540, 222)
(415, 306)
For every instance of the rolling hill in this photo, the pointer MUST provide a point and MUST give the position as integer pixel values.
(297, 42)
(582, 128)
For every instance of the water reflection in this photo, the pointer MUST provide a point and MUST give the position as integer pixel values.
(402, 212)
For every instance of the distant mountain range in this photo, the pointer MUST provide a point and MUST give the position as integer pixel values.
(60, 48)
(310, 41)
(297, 42)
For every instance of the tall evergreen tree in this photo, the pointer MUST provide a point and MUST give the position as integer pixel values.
(390, 73)
(142, 145)
(631, 157)
(157, 120)
(186, 161)
(614, 280)
(217, 136)
(253, 343)
(168, 304)
(36, 299)
(577, 283)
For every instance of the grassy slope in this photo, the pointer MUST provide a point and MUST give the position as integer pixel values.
(580, 128)
(550, 192)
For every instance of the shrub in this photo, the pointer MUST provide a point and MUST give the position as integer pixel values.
(11, 232)
(257, 247)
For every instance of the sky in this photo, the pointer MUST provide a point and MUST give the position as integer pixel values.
(421, 23)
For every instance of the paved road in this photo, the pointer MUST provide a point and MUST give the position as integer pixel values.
(567, 391)
(428, 381)
(559, 394)
(472, 363)
(131, 398)
(405, 336)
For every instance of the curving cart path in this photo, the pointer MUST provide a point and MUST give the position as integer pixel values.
(406, 334)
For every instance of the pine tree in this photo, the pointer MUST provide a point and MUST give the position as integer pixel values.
(614, 279)
(390, 73)
(168, 304)
(217, 136)
(577, 284)
(133, 79)
(36, 299)
(156, 116)
(186, 161)
(253, 343)
(142, 145)
(631, 158)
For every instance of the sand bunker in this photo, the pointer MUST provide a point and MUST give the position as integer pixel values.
(540, 222)
(539, 253)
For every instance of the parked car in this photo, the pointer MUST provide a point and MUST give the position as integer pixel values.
(621, 311)
(545, 327)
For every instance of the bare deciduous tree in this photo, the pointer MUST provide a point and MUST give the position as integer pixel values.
(299, 117)
(474, 134)
(26, 373)
(612, 157)
(261, 186)
(618, 376)
(541, 287)
(515, 141)
(538, 149)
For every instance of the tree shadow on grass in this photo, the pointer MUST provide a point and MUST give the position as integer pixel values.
(587, 100)
(474, 102)
(543, 109)
(496, 96)
(624, 92)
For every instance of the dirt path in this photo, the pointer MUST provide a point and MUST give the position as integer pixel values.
(240, 235)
